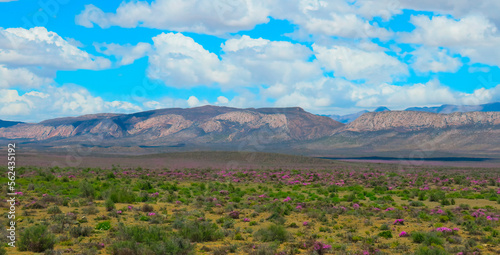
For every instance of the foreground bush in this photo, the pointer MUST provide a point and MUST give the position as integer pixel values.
(201, 231)
(137, 240)
(36, 239)
(272, 233)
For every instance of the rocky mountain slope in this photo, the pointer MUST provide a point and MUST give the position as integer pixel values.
(413, 121)
(414, 134)
(445, 109)
(285, 130)
(164, 127)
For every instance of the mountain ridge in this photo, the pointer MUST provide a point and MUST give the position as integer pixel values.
(203, 124)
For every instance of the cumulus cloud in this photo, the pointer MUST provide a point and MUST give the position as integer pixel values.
(209, 17)
(338, 17)
(181, 62)
(472, 36)
(327, 94)
(358, 64)
(457, 8)
(21, 77)
(30, 58)
(341, 18)
(51, 101)
(41, 48)
(261, 61)
(126, 54)
(434, 60)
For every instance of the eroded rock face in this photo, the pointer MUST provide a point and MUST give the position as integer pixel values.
(219, 124)
(412, 121)
(165, 124)
(36, 132)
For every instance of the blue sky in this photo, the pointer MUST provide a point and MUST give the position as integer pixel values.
(68, 58)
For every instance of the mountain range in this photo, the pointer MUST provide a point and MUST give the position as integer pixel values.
(286, 130)
(446, 108)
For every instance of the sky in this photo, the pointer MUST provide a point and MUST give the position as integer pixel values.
(74, 57)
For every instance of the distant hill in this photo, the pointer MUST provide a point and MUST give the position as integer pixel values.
(4, 123)
(285, 130)
(175, 126)
(351, 117)
(414, 134)
(492, 107)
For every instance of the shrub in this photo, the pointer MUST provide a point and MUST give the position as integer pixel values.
(234, 214)
(91, 210)
(385, 234)
(54, 210)
(80, 231)
(109, 204)
(86, 189)
(105, 225)
(417, 237)
(122, 195)
(433, 250)
(168, 245)
(147, 208)
(272, 233)
(36, 239)
(197, 231)
(428, 239)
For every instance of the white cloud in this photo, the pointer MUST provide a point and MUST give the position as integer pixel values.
(181, 62)
(41, 48)
(21, 77)
(472, 36)
(260, 61)
(209, 17)
(50, 102)
(457, 8)
(194, 102)
(345, 25)
(222, 100)
(30, 58)
(434, 60)
(357, 64)
(328, 94)
(126, 54)
(335, 18)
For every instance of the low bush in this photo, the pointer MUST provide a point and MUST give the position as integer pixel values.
(36, 239)
(272, 233)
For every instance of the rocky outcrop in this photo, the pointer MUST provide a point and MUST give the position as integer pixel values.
(198, 125)
(413, 121)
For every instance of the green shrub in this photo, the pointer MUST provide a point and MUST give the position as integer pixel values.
(418, 237)
(122, 195)
(36, 239)
(385, 234)
(272, 233)
(80, 231)
(86, 189)
(109, 204)
(432, 250)
(54, 210)
(105, 225)
(197, 231)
